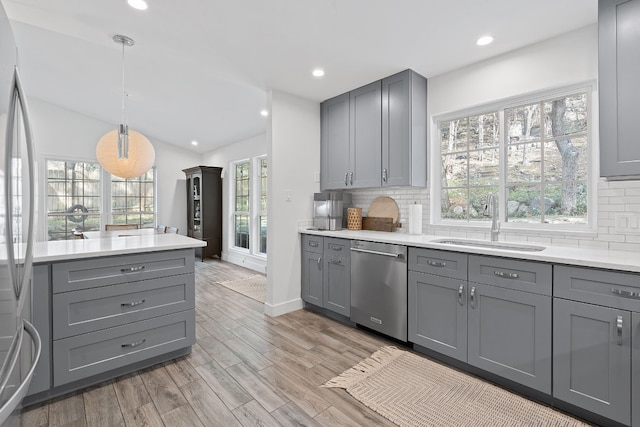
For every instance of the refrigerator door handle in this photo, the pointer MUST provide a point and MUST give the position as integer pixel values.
(18, 98)
(21, 390)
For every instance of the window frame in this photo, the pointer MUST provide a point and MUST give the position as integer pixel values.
(234, 212)
(109, 183)
(588, 87)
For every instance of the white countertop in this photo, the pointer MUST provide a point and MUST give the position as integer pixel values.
(103, 243)
(589, 257)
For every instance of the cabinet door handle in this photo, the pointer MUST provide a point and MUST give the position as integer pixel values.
(619, 328)
(346, 179)
(436, 263)
(319, 259)
(625, 294)
(132, 303)
(384, 175)
(132, 269)
(472, 297)
(134, 344)
(460, 292)
(506, 275)
(350, 178)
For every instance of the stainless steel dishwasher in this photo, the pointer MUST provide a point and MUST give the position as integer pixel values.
(379, 287)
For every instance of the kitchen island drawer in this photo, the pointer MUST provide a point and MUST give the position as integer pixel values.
(603, 287)
(85, 355)
(440, 263)
(528, 276)
(311, 243)
(89, 310)
(94, 272)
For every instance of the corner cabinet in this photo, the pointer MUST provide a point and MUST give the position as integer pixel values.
(376, 135)
(618, 71)
(204, 208)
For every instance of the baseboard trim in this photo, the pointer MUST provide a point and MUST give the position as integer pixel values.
(283, 308)
(246, 260)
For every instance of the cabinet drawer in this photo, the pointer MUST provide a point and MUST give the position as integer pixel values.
(440, 263)
(85, 355)
(526, 276)
(602, 287)
(89, 310)
(337, 248)
(312, 243)
(91, 273)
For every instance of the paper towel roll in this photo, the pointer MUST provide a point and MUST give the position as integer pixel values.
(415, 219)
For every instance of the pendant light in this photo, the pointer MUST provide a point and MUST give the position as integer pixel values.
(123, 152)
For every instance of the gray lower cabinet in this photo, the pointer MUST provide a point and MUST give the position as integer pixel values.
(618, 70)
(41, 319)
(510, 334)
(337, 276)
(592, 358)
(438, 313)
(326, 273)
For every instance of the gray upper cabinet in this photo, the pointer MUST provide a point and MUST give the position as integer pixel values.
(619, 68)
(334, 152)
(375, 135)
(592, 358)
(404, 129)
(365, 129)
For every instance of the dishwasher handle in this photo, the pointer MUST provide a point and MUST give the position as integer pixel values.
(369, 251)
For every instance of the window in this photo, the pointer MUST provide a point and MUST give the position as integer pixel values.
(534, 155)
(133, 200)
(73, 198)
(241, 215)
(263, 205)
(249, 194)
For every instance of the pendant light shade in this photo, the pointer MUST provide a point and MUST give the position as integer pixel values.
(140, 158)
(123, 152)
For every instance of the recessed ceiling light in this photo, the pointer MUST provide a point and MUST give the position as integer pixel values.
(138, 4)
(318, 72)
(484, 40)
(194, 143)
(264, 113)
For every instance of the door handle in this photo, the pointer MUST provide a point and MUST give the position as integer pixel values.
(319, 259)
(472, 297)
(384, 175)
(619, 325)
(350, 178)
(460, 292)
(346, 179)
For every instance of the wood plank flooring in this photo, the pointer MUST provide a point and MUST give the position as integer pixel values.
(246, 369)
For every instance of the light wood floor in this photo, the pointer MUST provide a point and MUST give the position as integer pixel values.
(247, 369)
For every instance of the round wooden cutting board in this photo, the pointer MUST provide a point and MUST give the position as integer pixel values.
(384, 207)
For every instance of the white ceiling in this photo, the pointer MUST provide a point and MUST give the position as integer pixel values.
(201, 69)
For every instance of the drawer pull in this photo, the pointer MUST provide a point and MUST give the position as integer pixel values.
(335, 261)
(132, 303)
(619, 328)
(437, 263)
(134, 344)
(132, 269)
(506, 275)
(313, 244)
(625, 294)
(335, 247)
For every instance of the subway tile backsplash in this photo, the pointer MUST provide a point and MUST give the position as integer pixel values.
(618, 217)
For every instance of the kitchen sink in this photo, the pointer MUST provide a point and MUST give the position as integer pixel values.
(491, 245)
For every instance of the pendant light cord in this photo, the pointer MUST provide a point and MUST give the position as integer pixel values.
(124, 116)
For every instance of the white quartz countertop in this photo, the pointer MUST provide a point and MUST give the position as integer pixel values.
(589, 257)
(101, 244)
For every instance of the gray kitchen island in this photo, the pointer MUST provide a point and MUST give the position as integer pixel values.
(108, 305)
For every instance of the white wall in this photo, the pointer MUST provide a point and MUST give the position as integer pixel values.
(249, 148)
(293, 151)
(64, 134)
(562, 61)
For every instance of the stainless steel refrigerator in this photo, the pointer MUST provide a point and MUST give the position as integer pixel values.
(19, 341)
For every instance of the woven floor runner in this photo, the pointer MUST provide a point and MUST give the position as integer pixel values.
(411, 390)
(253, 287)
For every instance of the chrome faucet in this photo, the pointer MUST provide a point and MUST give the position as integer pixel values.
(491, 209)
